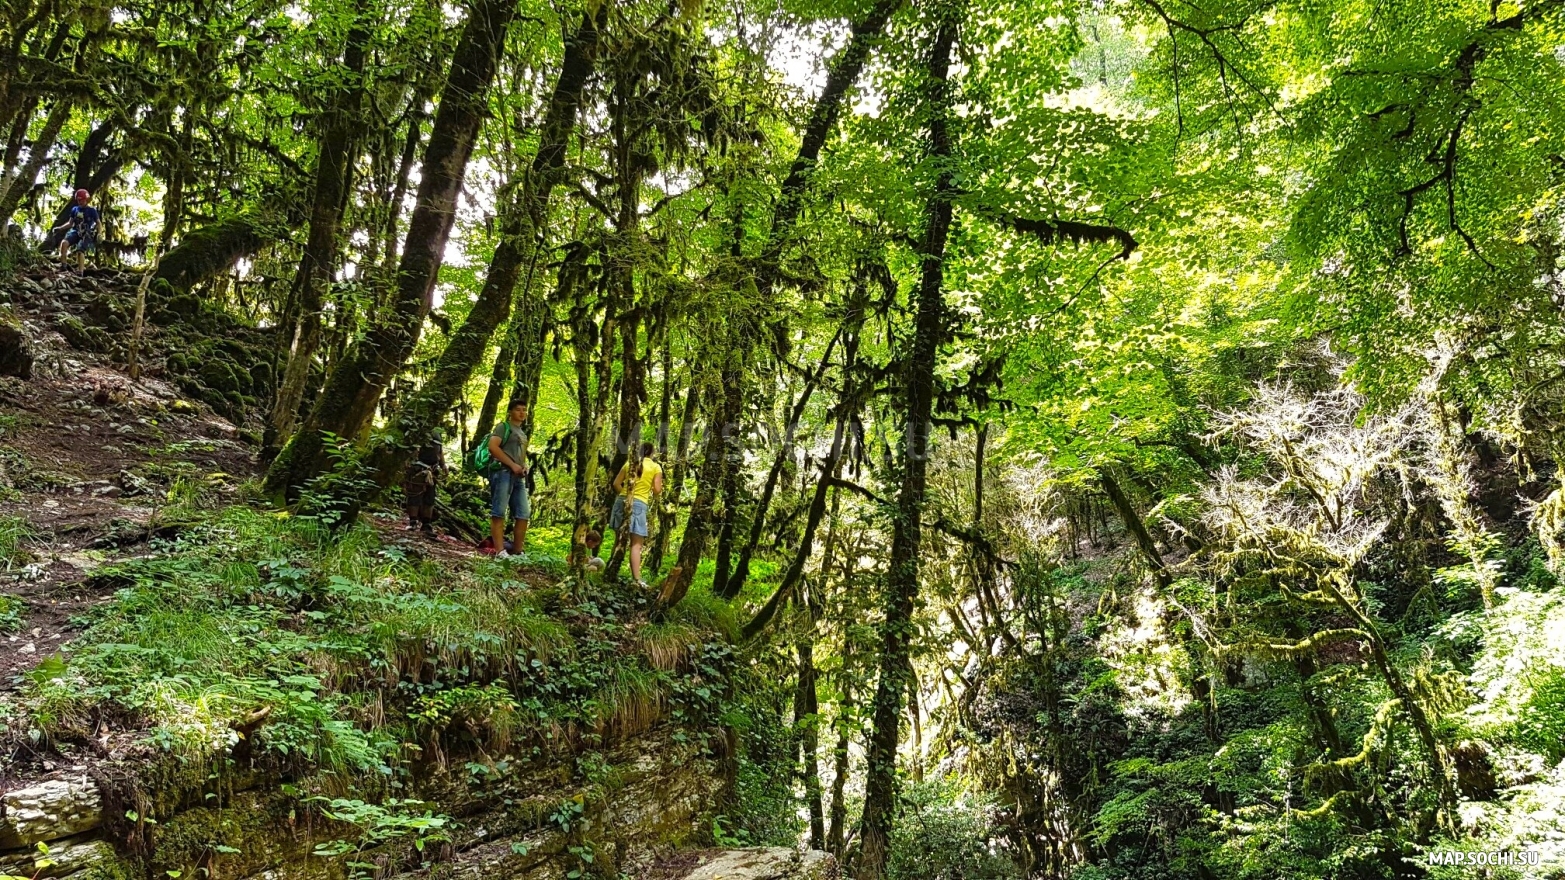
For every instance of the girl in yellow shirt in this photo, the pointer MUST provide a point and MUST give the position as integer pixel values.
(639, 480)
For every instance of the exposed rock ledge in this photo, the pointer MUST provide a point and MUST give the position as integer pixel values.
(766, 863)
(659, 793)
(48, 811)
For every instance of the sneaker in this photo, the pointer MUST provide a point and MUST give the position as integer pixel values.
(503, 554)
(643, 585)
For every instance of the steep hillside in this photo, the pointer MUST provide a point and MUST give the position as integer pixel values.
(194, 686)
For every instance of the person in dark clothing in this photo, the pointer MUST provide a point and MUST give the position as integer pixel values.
(421, 481)
(83, 237)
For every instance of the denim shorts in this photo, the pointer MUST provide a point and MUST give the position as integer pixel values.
(81, 243)
(508, 490)
(638, 517)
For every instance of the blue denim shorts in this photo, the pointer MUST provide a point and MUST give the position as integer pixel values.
(81, 243)
(638, 517)
(507, 490)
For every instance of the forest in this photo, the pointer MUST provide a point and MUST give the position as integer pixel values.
(950, 439)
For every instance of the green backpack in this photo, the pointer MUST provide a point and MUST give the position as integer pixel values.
(479, 461)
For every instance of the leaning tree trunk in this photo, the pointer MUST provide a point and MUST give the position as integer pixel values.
(522, 230)
(703, 511)
(347, 403)
(845, 68)
(929, 331)
(23, 181)
(730, 587)
(212, 250)
(333, 170)
(831, 470)
(499, 379)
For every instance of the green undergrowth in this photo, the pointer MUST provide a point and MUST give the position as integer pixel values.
(350, 657)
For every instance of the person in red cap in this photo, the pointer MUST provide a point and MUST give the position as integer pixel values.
(83, 237)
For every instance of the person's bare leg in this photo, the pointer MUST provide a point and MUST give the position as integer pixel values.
(519, 542)
(635, 556)
(497, 532)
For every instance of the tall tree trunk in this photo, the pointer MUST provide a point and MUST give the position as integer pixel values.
(676, 482)
(836, 832)
(831, 468)
(499, 380)
(347, 403)
(729, 484)
(333, 170)
(806, 717)
(845, 67)
(930, 329)
(410, 144)
(19, 108)
(721, 431)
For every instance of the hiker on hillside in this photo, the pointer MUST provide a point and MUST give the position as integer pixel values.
(508, 481)
(421, 480)
(637, 482)
(83, 223)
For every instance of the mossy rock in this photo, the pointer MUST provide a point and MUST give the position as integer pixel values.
(261, 377)
(219, 376)
(16, 352)
(82, 337)
(181, 308)
(106, 312)
(189, 384)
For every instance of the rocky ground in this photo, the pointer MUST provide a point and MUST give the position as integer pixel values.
(89, 458)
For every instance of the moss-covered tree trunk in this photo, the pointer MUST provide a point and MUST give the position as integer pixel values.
(212, 250)
(347, 403)
(677, 467)
(720, 434)
(337, 147)
(22, 182)
(523, 226)
(929, 330)
(730, 587)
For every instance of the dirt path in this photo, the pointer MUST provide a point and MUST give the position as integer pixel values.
(88, 459)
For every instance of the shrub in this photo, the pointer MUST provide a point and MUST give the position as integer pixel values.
(1541, 724)
(947, 832)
